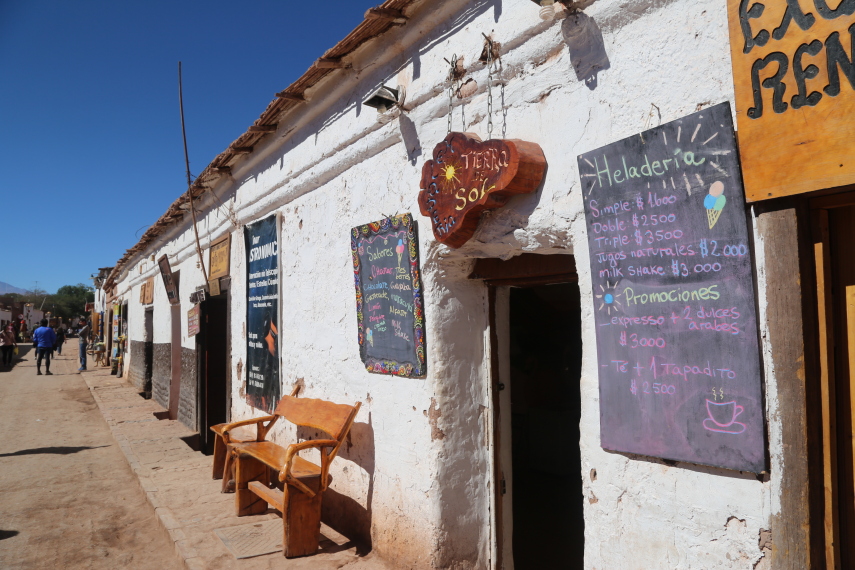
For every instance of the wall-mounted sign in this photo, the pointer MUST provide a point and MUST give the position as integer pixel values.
(168, 280)
(193, 320)
(673, 292)
(389, 303)
(467, 176)
(142, 292)
(262, 314)
(218, 258)
(149, 291)
(794, 75)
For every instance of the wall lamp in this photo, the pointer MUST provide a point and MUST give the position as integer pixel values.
(385, 98)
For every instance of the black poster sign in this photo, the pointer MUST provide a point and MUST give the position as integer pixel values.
(262, 314)
(389, 305)
(674, 303)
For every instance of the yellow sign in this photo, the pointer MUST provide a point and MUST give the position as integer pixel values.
(794, 75)
(219, 258)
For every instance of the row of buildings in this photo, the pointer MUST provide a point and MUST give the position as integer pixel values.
(545, 382)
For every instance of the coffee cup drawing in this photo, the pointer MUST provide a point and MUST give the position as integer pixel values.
(722, 417)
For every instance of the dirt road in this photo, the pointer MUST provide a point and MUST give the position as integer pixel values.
(68, 498)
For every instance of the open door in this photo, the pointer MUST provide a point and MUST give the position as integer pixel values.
(833, 235)
(212, 350)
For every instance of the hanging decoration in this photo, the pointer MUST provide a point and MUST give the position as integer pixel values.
(468, 176)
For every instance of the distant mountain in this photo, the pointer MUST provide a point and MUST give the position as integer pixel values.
(6, 288)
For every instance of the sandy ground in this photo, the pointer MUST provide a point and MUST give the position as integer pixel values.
(68, 498)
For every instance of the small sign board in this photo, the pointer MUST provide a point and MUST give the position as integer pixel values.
(149, 291)
(674, 306)
(219, 256)
(467, 177)
(193, 320)
(389, 298)
(168, 280)
(794, 80)
(214, 286)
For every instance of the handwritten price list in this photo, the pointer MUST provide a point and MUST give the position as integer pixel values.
(673, 291)
(389, 296)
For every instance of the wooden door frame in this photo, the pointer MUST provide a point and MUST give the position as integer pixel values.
(526, 270)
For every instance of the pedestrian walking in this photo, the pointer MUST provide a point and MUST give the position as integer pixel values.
(44, 338)
(83, 337)
(60, 339)
(8, 342)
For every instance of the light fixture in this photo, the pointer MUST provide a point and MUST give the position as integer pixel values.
(385, 98)
(547, 9)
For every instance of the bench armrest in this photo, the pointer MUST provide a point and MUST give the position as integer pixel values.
(292, 450)
(262, 429)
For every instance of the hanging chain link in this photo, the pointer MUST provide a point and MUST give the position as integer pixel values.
(451, 83)
(489, 89)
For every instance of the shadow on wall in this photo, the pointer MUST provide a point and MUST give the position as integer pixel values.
(343, 513)
(411, 138)
(587, 48)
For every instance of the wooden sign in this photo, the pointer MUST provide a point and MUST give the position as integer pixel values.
(673, 293)
(168, 280)
(219, 256)
(794, 75)
(193, 320)
(214, 287)
(149, 291)
(467, 177)
(389, 298)
(142, 292)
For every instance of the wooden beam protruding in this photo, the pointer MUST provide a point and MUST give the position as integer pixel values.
(330, 63)
(224, 169)
(385, 14)
(263, 128)
(241, 149)
(298, 97)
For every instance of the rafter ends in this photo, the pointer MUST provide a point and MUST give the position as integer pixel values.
(262, 128)
(224, 169)
(330, 63)
(298, 97)
(241, 149)
(385, 14)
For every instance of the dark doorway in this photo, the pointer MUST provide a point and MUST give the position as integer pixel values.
(148, 355)
(545, 368)
(212, 349)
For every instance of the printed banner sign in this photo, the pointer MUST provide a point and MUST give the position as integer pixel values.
(389, 305)
(674, 305)
(262, 314)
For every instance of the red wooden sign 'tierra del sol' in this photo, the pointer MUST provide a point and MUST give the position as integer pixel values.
(468, 176)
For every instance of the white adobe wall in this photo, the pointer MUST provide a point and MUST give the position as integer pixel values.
(421, 458)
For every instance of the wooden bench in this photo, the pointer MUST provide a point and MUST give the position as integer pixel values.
(303, 481)
(237, 432)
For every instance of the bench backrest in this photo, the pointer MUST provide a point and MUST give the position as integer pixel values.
(334, 419)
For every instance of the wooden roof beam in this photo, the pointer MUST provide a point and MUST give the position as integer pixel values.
(297, 97)
(330, 63)
(388, 14)
(263, 128)
(241, 149)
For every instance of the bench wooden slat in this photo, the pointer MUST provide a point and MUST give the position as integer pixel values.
(274, 497)
(273, 455)
(319, 414)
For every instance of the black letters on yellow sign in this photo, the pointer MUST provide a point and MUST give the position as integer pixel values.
(836, 56)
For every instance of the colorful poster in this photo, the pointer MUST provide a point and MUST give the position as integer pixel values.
(262, 314)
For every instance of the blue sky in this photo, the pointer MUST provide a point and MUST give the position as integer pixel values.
(90, 132)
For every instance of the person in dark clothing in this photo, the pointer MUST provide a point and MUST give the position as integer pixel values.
(8, 342)
(83, 335)
(44, 338)
(60, 339)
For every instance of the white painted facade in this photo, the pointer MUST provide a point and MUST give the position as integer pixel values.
(338, 164)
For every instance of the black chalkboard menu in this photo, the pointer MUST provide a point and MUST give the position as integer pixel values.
(673, 291)
(389, 304)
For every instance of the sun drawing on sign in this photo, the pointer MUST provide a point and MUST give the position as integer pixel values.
(608, 299)
(449, 176)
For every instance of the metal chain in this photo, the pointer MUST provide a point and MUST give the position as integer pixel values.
(489, 89)
(451, 82)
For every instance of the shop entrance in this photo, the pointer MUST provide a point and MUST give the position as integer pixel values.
(833, 236)
(212, 350)
(536, 365)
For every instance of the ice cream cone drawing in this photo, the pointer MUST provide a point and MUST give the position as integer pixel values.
(400, 250)
(714, 202)
(370, 334)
